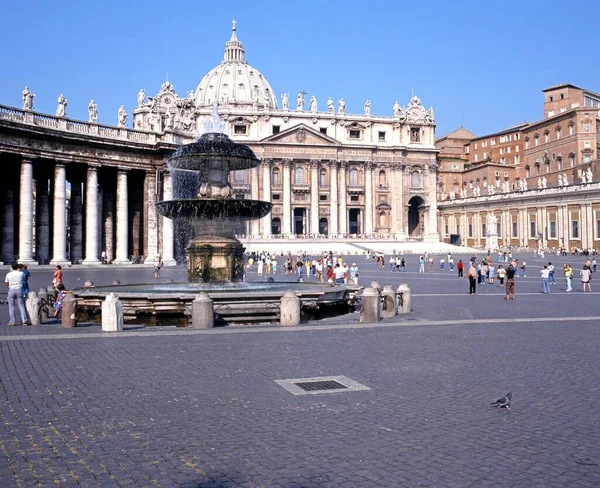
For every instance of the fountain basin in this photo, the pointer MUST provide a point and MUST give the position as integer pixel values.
(214, 209)
(234, 303)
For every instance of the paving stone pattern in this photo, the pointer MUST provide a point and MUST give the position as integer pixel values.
(204, 410)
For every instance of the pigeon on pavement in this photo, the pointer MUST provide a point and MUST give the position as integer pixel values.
(503, 402)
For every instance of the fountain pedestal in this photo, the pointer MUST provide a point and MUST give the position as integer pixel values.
(213, 259)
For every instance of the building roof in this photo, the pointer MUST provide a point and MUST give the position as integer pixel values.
(460, 133)
(505, 131)
(569, 85)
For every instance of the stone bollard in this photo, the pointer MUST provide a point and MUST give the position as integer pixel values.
(69, 312)
(369, 306)
(403, 299)
(203, 315)
(289, 311)
(34, 308)
(388, 302)
(47, 310)
(112, 313)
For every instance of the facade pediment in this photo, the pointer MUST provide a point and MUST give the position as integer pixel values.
(301, 134)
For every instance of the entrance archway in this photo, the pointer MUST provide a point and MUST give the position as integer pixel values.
(276, 226)
(323, 226)
(415, 216)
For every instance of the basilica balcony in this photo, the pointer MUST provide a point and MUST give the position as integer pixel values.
(240, 187)
(356, 189)
(301, 188)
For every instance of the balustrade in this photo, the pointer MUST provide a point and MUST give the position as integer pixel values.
(11, 113)
(45, 121)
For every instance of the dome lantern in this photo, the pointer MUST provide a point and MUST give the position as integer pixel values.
(234, 50)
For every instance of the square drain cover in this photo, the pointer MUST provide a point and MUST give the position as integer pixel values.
(323, 384)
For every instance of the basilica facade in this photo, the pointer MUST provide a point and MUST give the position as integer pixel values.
(87, 188)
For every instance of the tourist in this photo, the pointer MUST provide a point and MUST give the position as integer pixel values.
(524, 268)
(510, 282)
(501, 275)
(568, 276)
(103, 257)
(551, 277)
(431, 262)
(421, 264)
(472, 275)
(25, 284)
(274, 266)
(545, 272)
(339, 274)
(392, 263)
(260, 267)
(442, 264)
(586, 277)
(451, 262)
(299, 266)
(594, 264)
(346, 272)
(59, 299)
(354, 274)
(491, 273)
(329, 276)
(459, 267)
(57, 277)
(319, 270)
(14, 283)
(402, 264)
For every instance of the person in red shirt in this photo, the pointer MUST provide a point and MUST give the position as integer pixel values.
(459, 267)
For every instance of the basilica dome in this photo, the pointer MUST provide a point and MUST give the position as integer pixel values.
(234, 82)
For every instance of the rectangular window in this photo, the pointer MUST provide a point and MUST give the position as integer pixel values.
(532, 230)
(415, 134)
(239, 129)
(354, 198)
(546, 137)
(276, 196)
(553, 230)
(536, 141)
(240, 196)
(571, 130)
(323, 130)
(574, 229)
(498, 228)
(514, 230)
(323, 198)
(558, 133)
(276, 129)
(354, 134)
(527, 144)
(447, 230)
(483, 229)
(470, 230)
(382, 136)
(457, 229)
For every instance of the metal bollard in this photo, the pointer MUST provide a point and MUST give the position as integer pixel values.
(404, 299)
(69, 312)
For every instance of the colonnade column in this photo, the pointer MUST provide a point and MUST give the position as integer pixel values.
(42, 219)
(122, 219)
(167, 225)
(151, 217)
(266, 196)
(588, 237)
(8, 224)
(333, 192)
(91, 217)
(26, 214)
(564, 213)
(254, 224)
(368, 198)
(314, 197)
(76, 211)
(286, 225)
(343, 197)
(59, 230)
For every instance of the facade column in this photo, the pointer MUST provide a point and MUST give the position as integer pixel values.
(343, 198)
(589, 227)
(122, 219)
(368, 198)
(266, 196)
(332, 227)
(167, 225)
(91, 217)
(108, 220)
(286, 225)
(398, 200)
(254, 224)
(151, 217)
(565, 227)
(42, 219)
(26, 214)
(314, 197)
(59, 230)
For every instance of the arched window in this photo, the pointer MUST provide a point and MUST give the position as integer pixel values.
(323, 177)
(382, 181)
(353, 173)
(299, 176)
(415, 179)
(275, 177)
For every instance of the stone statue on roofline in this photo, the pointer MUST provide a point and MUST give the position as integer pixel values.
(368, 107)
(122, 116)
(92, 112)
(341, 106)
(313, 103)
(285, 101)
(27, 99)
(330, 107)
(141, 97)
(300, 101)
(589, 176)
(61, 110)
(396, 109)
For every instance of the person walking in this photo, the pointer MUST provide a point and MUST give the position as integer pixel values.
(501, 275)
(459, 267)
(14, 283)
(586, 277)
(545, 272)
(491, 273)
(594, 263)
(510, 283)
(354, 274)
(568, 276)
(472, 275)
(421, 264)
(402, 264)
(431, 263)
(26, 276)
(57, 278)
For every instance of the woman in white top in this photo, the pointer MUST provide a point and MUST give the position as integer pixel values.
(14, 282)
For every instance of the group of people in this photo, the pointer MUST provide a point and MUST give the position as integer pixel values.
(17, 282)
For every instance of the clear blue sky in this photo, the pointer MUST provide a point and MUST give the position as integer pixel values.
(481, 63)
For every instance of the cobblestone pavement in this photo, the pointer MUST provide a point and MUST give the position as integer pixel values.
(168, 407)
